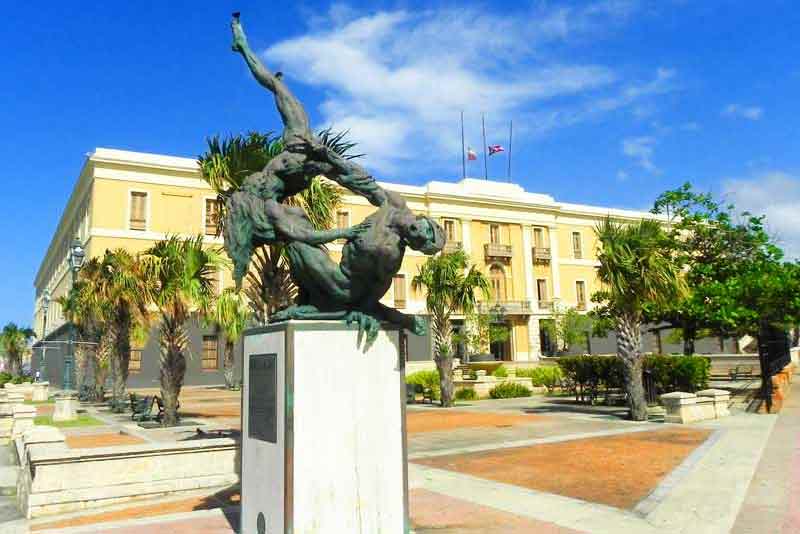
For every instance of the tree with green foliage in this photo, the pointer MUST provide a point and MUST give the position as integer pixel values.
(15, 340)
(481, 330)
(568, 327)
(231, 313)
(715, 247)
(637, 270)
(183, 271)
(451, 284)
(115, 291)
(225, 165)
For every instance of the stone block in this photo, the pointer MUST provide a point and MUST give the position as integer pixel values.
(512, 372)
(721, 400)
(40, 391)
(480, 373)
(66, 407)
(23, 419)
(678, 398)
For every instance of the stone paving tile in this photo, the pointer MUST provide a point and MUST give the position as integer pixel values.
(438, 420)
(538, 428)
(616, 470)
(435, 513)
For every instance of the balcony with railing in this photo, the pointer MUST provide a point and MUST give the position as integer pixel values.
(541, 254)
(496, 250)
(506, 307)
(581, 306)
(451, 246)
(545, 304)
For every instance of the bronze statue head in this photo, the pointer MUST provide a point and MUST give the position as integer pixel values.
(425, 235)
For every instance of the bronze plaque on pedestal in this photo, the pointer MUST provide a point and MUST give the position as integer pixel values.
(263, 398)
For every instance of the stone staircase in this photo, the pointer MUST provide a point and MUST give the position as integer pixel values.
(11, 520)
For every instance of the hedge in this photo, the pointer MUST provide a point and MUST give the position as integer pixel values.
(426, 379)
(509, 390)
(549, 377)
(466, 394)
(587, 375)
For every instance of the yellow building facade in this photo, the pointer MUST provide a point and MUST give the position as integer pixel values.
(538, 253)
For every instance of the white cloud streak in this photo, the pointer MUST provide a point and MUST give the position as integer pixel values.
(775, 194)
(641, 150)
(752, 113)
(398, 79)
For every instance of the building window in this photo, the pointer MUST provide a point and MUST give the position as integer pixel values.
(494, 234)
(450, 229)
(538, 237)
(541, 293)
(212, 216)
(210, 356)
(580, 293)
(399, 291)
(577, 248)
(138, 211)
(497, 277)
(135, 363)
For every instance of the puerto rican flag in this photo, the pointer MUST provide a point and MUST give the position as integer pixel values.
(471, 154)
(496, 149)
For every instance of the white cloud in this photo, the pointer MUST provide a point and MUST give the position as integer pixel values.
(775, 194)
(641, 150)
(622, 176)
(398, 79)
(752, 113)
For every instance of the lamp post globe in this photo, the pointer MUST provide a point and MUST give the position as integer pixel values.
(76, 256)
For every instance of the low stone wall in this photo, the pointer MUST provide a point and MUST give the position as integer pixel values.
(795, 354)
(781, 387)
(56, 479)
(690, 407)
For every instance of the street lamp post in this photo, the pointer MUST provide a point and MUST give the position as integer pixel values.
(76, 255)
(45, 308)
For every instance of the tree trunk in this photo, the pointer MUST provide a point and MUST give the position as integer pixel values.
(13, 363)
(102, 357)
(173, 367)
(121, 355)
(227, 364)
(443, 355)
(689, 336)
(629, 338)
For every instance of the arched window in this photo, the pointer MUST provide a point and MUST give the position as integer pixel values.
(497, 279)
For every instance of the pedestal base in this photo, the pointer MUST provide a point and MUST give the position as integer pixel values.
(323, 431)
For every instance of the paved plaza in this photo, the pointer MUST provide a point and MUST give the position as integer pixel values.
(541, 465)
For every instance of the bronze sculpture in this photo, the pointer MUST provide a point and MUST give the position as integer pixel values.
(374, 250)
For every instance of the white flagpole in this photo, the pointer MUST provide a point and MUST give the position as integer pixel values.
(463, 150)
(485, 157)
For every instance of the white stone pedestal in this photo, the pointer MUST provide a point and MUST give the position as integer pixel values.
(323, 431)
(40, 391)
(66, 407)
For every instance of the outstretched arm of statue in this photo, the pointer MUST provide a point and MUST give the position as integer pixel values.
(348, 174)
(261, 73)
(293, 228)
(295, 119)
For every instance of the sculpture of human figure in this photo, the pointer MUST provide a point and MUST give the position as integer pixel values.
(374, 250)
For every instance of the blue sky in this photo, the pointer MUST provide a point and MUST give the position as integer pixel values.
(612, 101)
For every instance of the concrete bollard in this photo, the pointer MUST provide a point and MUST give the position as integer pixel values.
(66, 407)
(721, 399)
(681, 407)
(40, 391)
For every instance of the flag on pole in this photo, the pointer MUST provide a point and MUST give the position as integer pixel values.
(471, 154)
(495, 149)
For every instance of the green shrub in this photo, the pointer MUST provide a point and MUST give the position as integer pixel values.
(466, 394)
(19, 379)
(588, 375)
(426, 379)
(5, 377)
(509, 390)
(500, 372)
(549, 377)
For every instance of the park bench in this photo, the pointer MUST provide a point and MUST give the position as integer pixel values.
(742, 372)
(141, 407)
(160, 404)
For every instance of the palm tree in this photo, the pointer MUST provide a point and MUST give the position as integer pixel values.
(116, 290)
(183, 272)
(14, 340)
(637, 270)
(226, 164)
(449, 290)
(231, 314)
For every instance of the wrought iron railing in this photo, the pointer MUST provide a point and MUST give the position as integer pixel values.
(452, 246)
(541, 254)
(506, 307)
(545, 304)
